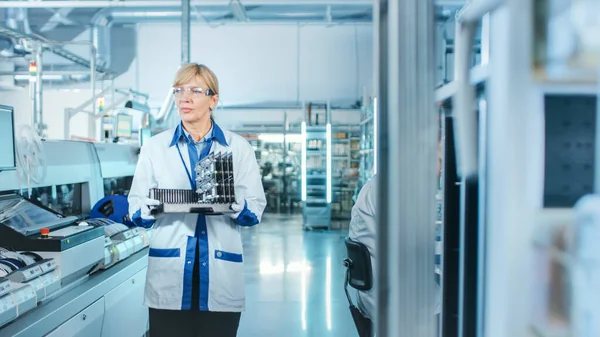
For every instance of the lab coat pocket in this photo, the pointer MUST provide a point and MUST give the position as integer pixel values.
(228, 279)
(164, 281)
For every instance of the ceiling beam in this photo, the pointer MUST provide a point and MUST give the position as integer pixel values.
(167, 4)
(58, 17)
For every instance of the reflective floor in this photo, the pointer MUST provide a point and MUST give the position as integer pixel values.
(294, 281)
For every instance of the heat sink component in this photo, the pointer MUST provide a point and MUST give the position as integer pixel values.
(214, 192)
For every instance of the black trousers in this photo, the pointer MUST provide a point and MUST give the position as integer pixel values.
(193, 323)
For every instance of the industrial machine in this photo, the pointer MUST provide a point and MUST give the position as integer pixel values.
(72, 275)
(7, 151)
(214, 193)
(25, 279)
(25, 226)
(120, 241)
(117, 166)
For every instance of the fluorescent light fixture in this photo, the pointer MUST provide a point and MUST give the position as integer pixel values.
(375, 135)
(238, 10)
(44, 77)
(328, 163)
(303, 161)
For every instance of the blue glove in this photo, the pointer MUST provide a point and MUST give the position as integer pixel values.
(143, 217)
(243, 215)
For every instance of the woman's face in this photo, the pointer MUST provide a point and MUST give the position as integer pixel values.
(193, 103)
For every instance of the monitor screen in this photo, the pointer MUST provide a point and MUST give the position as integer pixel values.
(7, 138)
(25, 217)
(124, 126)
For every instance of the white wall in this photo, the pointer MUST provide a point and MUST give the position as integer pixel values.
(254, 63)
(54, 104)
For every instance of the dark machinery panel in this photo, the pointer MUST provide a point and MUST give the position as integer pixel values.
(570, 143)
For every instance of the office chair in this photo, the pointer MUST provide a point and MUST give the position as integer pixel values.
(359, 275)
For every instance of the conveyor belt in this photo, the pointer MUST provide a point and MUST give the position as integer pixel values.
(49, 315)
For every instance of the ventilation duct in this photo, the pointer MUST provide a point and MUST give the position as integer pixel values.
(108, 37)
(101, 39)
(16, 18)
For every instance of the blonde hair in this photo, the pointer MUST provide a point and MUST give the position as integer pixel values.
(188, 72)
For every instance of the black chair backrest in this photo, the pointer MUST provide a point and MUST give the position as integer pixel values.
(359, 265)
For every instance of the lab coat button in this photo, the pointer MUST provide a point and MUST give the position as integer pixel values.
(189, 262)
(203, 232)
(204, 264)
(219, 254)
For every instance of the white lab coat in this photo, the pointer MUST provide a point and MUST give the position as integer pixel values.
(363, 229)
(172, 249)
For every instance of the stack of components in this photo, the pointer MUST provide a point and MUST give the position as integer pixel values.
(120, 241)
(25, 279)
(214, 194)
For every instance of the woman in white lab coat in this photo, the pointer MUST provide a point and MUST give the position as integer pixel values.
(195, 280)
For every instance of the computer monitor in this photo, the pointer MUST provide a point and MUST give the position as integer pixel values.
(7, 138)
(124, 127)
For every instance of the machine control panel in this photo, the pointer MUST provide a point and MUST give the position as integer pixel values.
(5, 286)
(26, 274)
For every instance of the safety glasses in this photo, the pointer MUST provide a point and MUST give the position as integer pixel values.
(196, 92)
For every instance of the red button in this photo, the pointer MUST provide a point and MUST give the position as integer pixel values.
(45, 231)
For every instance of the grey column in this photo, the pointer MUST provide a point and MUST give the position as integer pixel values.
(407, 169)
(185, 31)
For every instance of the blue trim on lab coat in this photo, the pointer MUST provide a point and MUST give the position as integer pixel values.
(202, 235)
(217, 135)
(188, 269)
(232, 257)
(161, 252)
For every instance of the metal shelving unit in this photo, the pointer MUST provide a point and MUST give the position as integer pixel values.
(316, 168)
(368, 143)
(345, 161)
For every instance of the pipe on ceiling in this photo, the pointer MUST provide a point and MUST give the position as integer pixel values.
(275, 18)
(168, 4)
(185, 31)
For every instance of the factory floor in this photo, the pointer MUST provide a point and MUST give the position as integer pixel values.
(294, 280)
